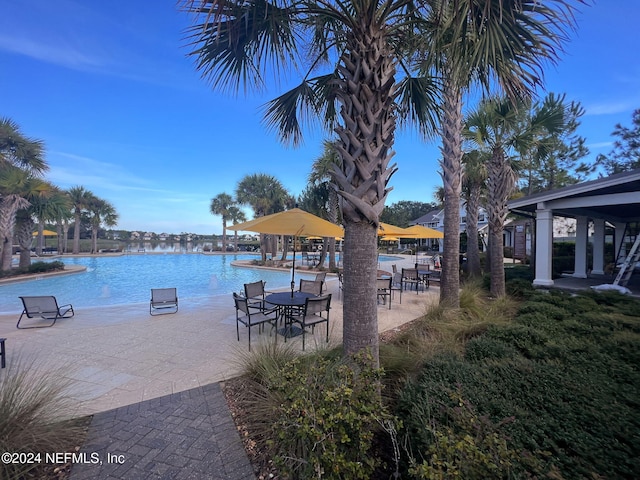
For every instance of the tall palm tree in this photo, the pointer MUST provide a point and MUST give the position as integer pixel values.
(101, 212)
(80, 198)
(321, 173)
(500, 127)
(46, 202)
(220, 205)
(361, 45)
(236, 215)
(266, 195)
(17, 153)
(486, 42)
(15, 185)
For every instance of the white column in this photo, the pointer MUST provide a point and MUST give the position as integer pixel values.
(544, 246)
(598, 247)
(582, 238)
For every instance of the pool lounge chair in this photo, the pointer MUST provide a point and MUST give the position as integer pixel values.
(44, 308)
(163, 300)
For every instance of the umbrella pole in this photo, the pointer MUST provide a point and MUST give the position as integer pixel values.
(293, 270)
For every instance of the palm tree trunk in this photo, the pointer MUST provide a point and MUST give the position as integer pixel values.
(40, 239)
(451, 179)
(65, 237)
(94, 239)
(23, 232)
(9, 205)
(366, 136)
(500, 185)
(360, 270)
(332, 214)
(7, 253)
(323, 253)
(224, 234)
(285, 247)
(76, 235)
(473, 249)
(59, 239)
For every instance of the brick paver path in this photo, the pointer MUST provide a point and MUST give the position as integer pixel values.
(186, 435)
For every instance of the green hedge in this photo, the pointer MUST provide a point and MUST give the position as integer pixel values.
(35, 267)
(560, 385)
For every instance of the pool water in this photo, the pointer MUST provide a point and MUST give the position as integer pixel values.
(129, 279)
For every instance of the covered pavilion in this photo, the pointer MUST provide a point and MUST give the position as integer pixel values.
(611, 202)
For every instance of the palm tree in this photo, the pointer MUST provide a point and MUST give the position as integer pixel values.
(101, 212)
(321, 174)
(80, 198)
(485, 42)
(18, 153)
(46, 202)
(15, 183)
(236, 215)
(499, 127)
(220, 205)
(360, 45)
(266, 195)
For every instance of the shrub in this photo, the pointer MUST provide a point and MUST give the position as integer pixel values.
(519, 288)
(571, 384)
(485, 347)
(324, 423)
(41, 267)
(34, 416)
(471, 447)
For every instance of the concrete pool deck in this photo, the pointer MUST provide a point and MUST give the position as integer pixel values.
(117, 356)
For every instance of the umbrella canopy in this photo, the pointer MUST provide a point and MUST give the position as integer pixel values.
(419, 231)
(291, 222)
(389, 238)
(392, 230)
(294, 222)
(46, 233)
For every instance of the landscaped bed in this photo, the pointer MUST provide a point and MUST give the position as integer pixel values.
(545, 387)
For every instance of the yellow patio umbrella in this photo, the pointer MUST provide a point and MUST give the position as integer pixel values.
(295, 222)
(420, 231)
(389, 238)
(392, 230)
(291, 222)
(46, 233)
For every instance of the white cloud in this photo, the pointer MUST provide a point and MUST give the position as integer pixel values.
(613, 107)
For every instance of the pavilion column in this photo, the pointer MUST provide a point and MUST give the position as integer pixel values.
(582, 238)
(598, 247)
(544, 246)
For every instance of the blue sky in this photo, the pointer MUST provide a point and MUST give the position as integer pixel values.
(109, 89)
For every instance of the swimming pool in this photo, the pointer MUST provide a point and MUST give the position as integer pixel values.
(129, 279)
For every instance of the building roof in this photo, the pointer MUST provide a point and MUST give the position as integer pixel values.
(615, 198)
(428, 217)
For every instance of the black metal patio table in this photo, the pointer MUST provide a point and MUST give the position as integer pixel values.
(287, 302)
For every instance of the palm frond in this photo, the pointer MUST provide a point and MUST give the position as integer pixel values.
(238, 40)
(418, 100)
(287, 113)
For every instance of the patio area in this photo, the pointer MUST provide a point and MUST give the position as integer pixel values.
(121, 355)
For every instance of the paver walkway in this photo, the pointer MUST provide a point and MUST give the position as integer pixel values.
(185, 435)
